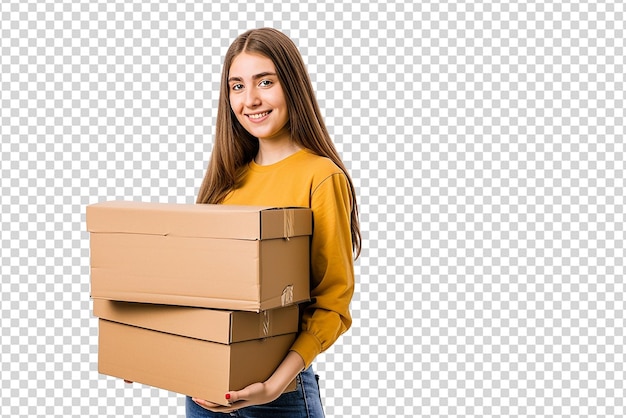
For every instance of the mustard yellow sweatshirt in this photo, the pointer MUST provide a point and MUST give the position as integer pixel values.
(307, 180)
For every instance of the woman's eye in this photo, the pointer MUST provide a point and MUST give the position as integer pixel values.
(237, 87)
(265, 83)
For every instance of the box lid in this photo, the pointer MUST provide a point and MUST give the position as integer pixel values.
(222, 326)
(198, 220)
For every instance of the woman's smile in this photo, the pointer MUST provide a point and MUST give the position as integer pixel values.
(258, 117)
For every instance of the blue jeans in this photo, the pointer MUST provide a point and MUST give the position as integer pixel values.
(304, 402)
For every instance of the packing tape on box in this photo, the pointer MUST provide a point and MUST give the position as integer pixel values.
(287, 296)
(265, 324)
(288, 224)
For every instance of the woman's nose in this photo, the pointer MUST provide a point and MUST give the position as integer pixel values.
(252, 98)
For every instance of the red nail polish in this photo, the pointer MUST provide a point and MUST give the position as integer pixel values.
(227, 396)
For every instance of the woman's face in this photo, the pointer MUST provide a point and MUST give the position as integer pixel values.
(257, 98)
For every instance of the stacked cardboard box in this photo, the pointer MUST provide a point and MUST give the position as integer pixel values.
(197, 299)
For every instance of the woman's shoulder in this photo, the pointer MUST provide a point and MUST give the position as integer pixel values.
(320, 165)
(322, 171)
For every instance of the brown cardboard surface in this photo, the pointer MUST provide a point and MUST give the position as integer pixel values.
(198, 220)
(213, 256)
(189, 366)
(220, 326)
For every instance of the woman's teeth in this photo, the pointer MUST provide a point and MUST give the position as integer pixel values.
(258, 115)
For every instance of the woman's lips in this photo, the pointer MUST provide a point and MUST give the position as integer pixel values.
(258, 117)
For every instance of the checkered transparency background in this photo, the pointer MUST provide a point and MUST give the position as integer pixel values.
(486, 142)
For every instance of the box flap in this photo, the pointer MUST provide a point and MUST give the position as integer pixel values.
(198, 220)
(286, 222)
(222, 326)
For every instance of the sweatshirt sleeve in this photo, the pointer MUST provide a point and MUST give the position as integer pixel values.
(327, 316)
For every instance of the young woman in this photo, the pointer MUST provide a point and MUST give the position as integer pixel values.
(272, 148)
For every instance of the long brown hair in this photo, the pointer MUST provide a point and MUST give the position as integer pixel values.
(234, 147)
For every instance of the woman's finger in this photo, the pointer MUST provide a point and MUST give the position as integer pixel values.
(205, 403)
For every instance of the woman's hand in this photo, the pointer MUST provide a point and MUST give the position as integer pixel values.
(255, 394)
(260, 393)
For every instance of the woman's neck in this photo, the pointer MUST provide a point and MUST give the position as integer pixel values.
(271, 152)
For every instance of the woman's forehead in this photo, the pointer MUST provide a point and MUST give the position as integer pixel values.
(248, 64)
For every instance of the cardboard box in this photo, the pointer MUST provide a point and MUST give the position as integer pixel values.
(215, 325)
(179, 355)
(249, 258)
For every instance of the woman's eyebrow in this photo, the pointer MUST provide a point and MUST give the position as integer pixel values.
(254, 77)
(261, 75)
